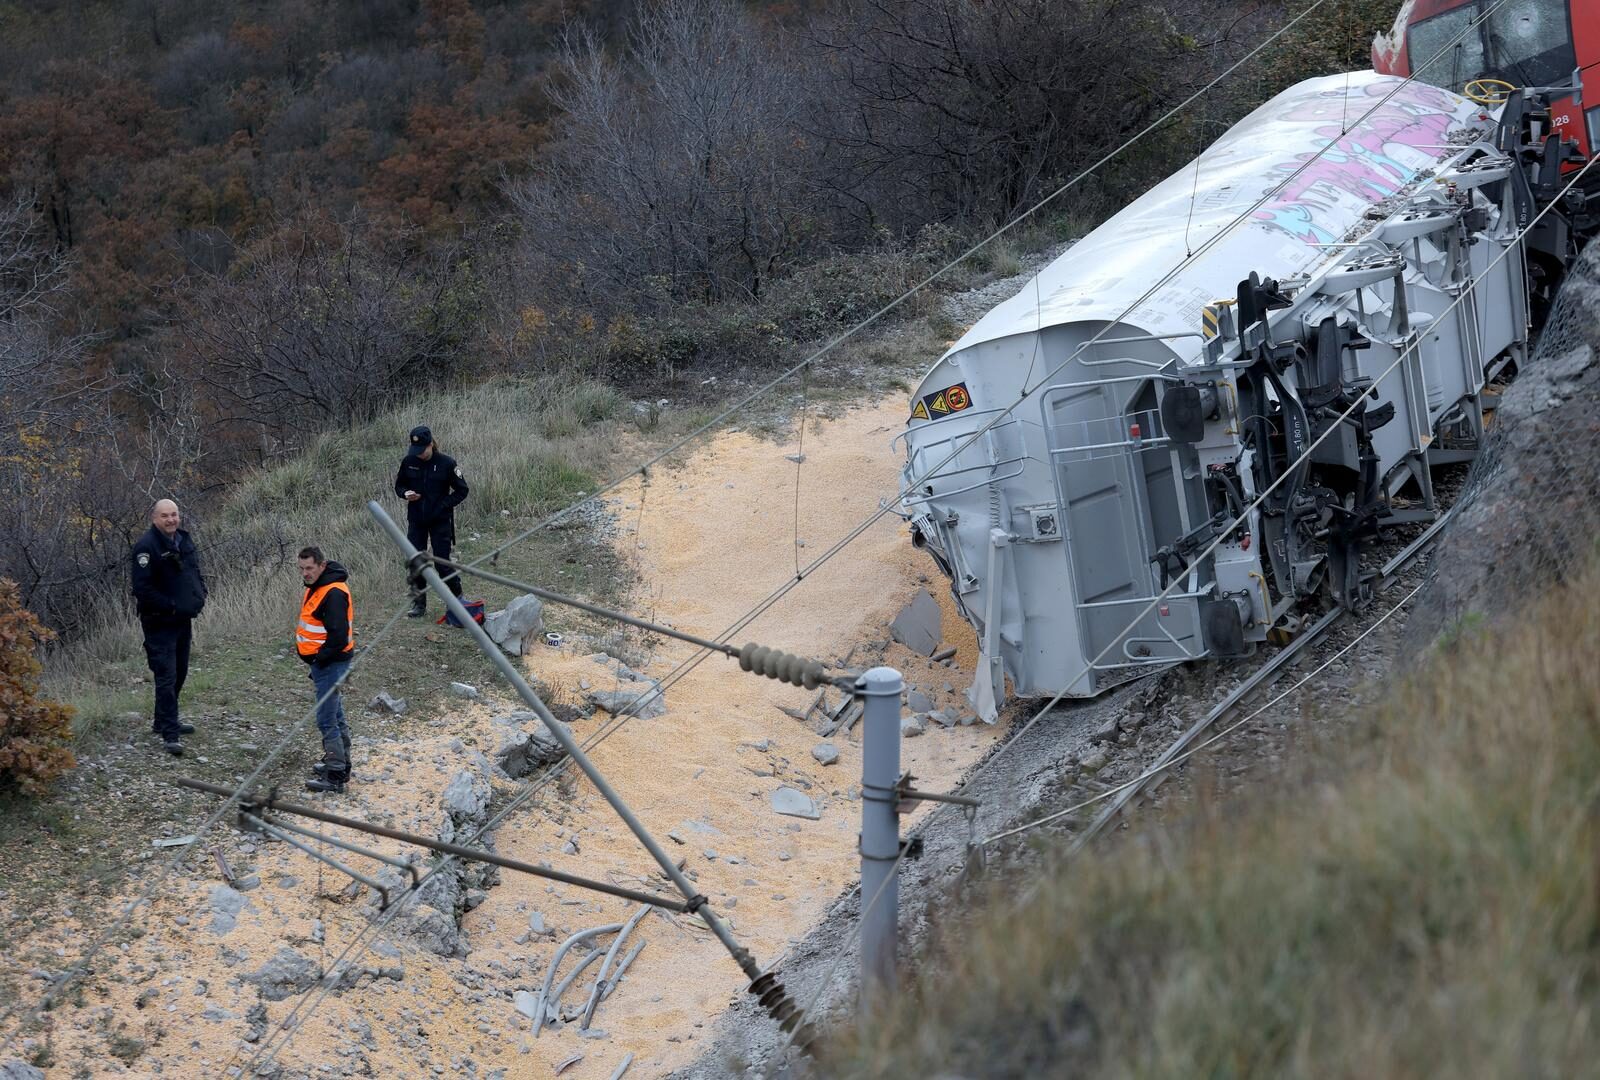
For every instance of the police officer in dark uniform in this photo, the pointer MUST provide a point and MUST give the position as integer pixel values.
(169, 591)
(433, 486)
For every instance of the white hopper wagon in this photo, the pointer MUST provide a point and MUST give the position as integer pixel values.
(1164, 392)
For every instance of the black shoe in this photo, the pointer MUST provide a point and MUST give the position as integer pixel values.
(321, 769)
(185, 729)
(172, 746)
(419, 608)
(333, 784)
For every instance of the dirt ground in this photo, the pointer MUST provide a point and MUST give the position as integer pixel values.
(709, 539)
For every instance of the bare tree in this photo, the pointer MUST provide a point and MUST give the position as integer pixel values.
(32, 281)
(677, 174)
(309, 333)
(969, 110)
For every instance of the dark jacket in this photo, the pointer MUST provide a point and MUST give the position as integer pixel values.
(167, 580)
(333, 613)
(440, 483)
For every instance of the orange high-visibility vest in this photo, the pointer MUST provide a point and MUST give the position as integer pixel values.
(309, 634)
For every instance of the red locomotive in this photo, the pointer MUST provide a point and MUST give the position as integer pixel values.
(1553, 45)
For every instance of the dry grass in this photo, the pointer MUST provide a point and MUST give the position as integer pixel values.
(1425, 902)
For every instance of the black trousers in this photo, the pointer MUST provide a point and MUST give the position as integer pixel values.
(439, 535)
(166, 649)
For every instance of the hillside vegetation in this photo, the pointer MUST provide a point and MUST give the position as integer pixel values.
(1422, 900)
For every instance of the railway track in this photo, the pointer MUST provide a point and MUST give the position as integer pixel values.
(1156, 774)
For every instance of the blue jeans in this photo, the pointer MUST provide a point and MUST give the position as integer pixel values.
(330, 714)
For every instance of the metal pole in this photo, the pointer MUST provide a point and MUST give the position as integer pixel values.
(880, 832)
(697, 902)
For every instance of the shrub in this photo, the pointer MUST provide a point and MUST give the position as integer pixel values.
(33, 732)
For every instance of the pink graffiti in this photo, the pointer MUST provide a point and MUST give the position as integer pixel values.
(1360, 163)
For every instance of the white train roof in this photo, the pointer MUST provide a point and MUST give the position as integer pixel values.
(1379, 156)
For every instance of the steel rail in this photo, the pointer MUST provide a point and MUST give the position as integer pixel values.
(1265, 676)
(460, 851)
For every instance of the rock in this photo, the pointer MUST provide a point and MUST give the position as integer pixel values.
(465, 690)
(944, 717)
(643, 699)
(825, 752)
(1131, 722)
(798, 459)
(911, 727)
(250, 882)
(465, 799)
(225, 905)
(517, 626)
(536, 925)
(526, 1003)
(19, 1070)
(918, 626)
(917, 701)
(789, 801)
(286, 974)
(1094, 760)
(523, 743)
(256, 1017)
(1105, 732)
(387, 703)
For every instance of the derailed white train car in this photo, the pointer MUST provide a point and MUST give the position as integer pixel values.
(1157, 410)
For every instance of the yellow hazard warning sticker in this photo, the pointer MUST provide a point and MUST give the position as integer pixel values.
(940, 403)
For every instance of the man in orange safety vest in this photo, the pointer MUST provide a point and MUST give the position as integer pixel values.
(325, 638)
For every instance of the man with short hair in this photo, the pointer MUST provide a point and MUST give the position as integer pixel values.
(433, 486)
(325, 638)
(169, 591)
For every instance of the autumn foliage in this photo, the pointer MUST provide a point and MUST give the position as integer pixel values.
(34, 732)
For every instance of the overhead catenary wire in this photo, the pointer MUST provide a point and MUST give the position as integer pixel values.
(1144, 777)
(787, 586)
(1332, 427)
(744, 402)
(801, 366)
(849, 537)
(777, 594)
(801, 574)
(271, 802)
